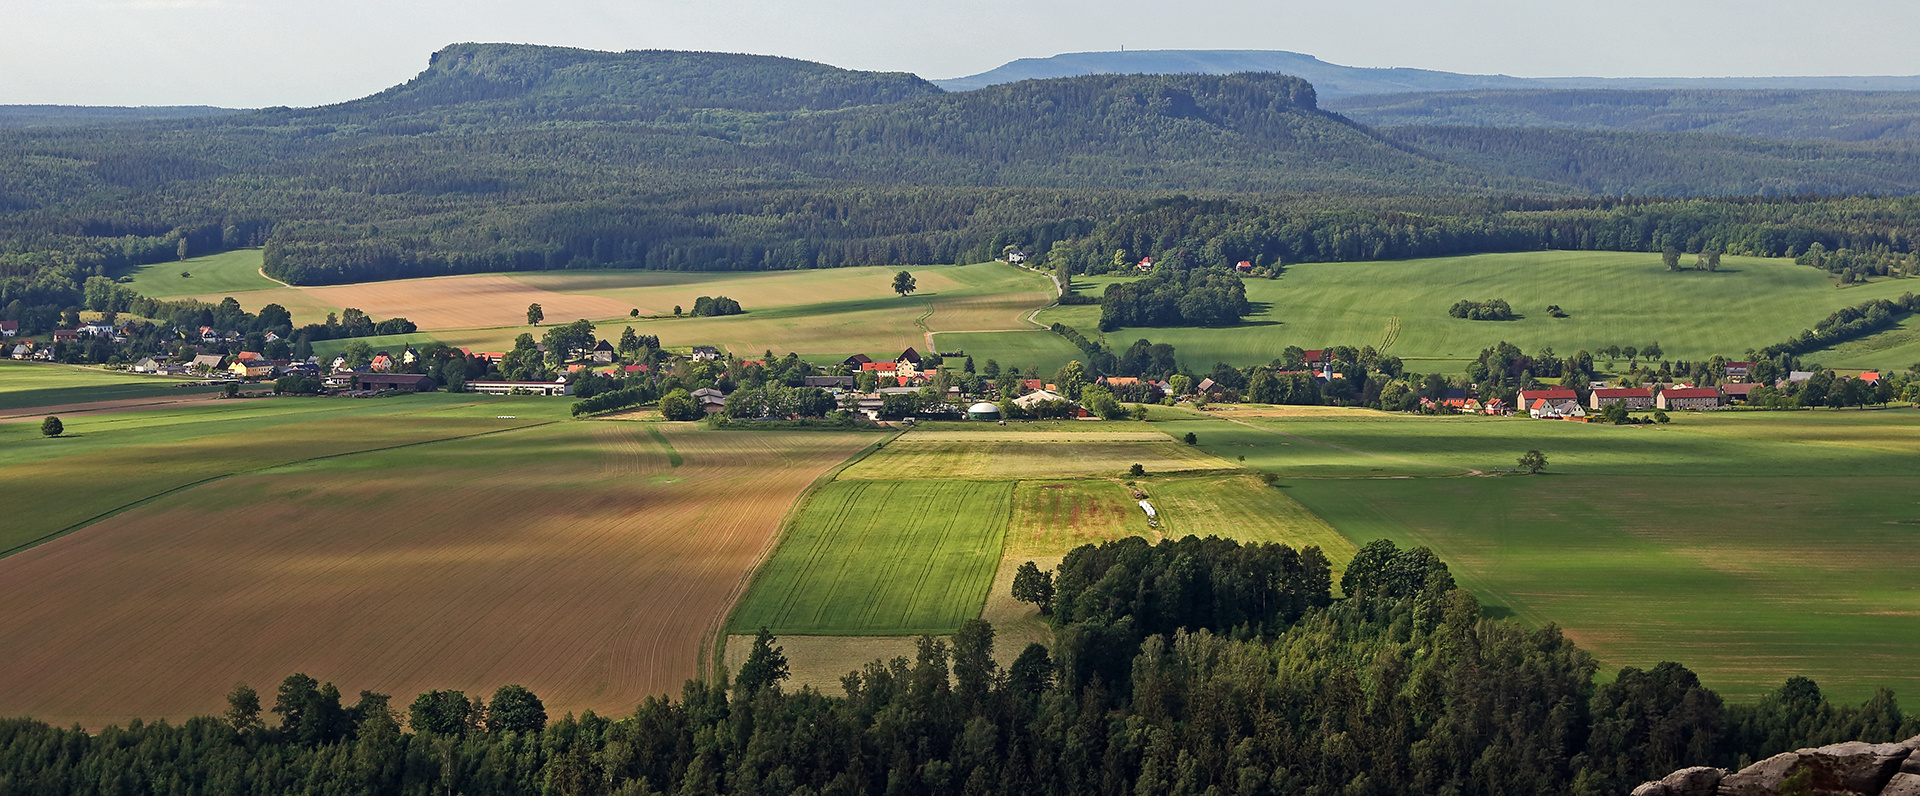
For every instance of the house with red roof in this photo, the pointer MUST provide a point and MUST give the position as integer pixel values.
(1244, 266)
(1527, 397)
(1691, 398)
(9, 328)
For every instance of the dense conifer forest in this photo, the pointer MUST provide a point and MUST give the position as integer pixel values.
(1191, 666)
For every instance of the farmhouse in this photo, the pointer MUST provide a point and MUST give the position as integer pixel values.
(520, 387)
(251, 369)
(9, 328)
(1244, 267)
(1146, 264)
(1691, 398)
(1634, 398)
(710, 399)
(1016, 257)
(66, 336)
(396, 381)
(1737, 371)
(208, 362)
(856, 361)
(1546, 409)
(705, 353)
(603, 352)
(1738, 393)
(23, 350)
(908, 355)
(1557, 394)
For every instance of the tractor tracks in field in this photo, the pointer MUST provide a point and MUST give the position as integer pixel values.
(129, 506)
(1465, 471)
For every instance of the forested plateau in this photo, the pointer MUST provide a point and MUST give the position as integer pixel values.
(503, 157)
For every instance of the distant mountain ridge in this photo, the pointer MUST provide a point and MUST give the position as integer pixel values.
(1787, 115)
(26, 117)
(1334, 80)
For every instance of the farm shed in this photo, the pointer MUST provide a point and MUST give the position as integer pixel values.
(396, 381)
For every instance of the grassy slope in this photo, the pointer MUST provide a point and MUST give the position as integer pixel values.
(224, 273)
(1749, 546)
(30, 384)
(107, 462)
(882, 558)
(1897, 348)
(1612, 298)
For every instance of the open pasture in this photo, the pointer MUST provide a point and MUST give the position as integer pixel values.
(881, 558)
(1750, 546)
(1896, 348)
(1040, 348)
(579, 559)
(217, 275)
(27, 385)
(1013, 457)
(1611, 298)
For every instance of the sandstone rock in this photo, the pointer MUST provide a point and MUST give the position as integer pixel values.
(1902, 785)
(1845, 768)
(1762, 778)
(1696, 781)
(1912, 765)
(1653, 788)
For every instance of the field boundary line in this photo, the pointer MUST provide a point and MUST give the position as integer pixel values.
(263, 275)
(1465, 470)
(713, 643)
(111, 513)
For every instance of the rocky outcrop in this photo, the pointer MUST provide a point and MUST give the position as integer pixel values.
(1843, 769)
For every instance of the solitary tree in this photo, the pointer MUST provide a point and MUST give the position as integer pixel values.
(903, 283)
(633, 313)
(535, 315)
(1137, 470)
(1534, 461)
(766, 665)
(243, 708)
(1671, 257)
(52, 427)
(1030, 585)
(1190, 439)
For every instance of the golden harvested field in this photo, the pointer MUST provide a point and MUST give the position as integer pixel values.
(573, 558)
(929, 455)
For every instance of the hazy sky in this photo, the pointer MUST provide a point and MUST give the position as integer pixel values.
(250, 53)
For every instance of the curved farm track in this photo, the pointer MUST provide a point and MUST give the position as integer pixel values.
(576, 559)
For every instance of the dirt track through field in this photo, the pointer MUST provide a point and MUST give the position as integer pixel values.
(573, 559)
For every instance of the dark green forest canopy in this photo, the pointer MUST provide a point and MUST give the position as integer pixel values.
(1782, 114)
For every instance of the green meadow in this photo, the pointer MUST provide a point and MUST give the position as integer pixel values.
(25, 385)
(882, 558)
(235, 271)
(1750, 546)
(1611, 298)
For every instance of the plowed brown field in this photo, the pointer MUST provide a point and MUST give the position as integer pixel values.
(573, 558)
